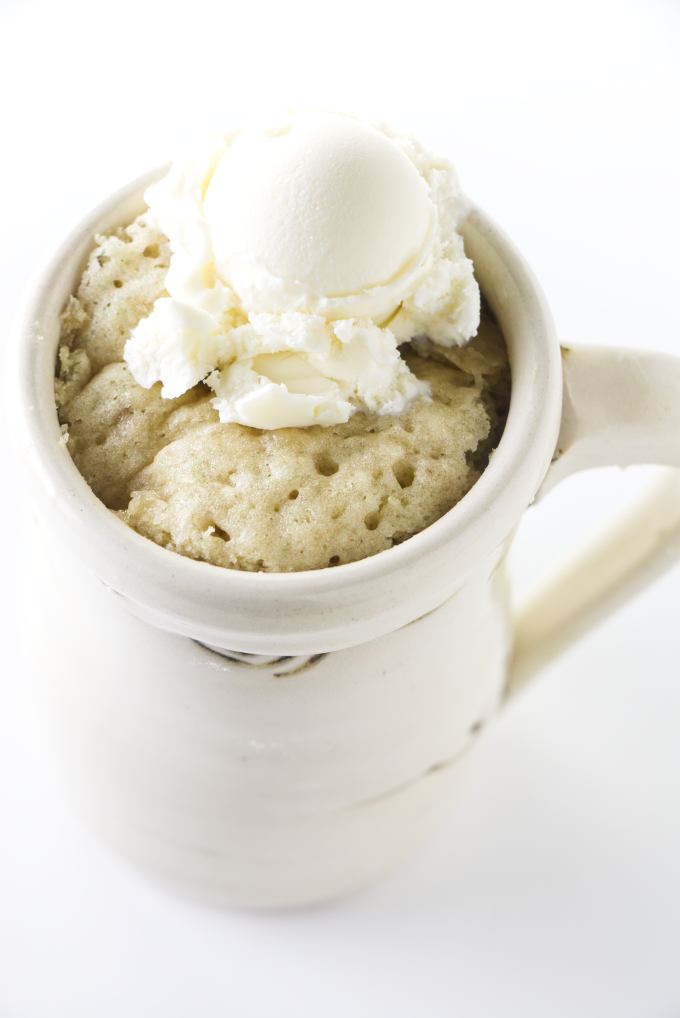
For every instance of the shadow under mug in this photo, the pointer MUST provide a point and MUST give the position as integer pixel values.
(270, 740)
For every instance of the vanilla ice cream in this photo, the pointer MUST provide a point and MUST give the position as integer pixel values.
(302, 256)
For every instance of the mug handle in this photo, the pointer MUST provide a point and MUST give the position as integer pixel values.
(620, 407)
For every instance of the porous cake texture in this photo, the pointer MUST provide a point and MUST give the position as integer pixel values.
(283, 500)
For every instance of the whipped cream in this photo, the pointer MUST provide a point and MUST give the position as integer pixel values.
(302, 256)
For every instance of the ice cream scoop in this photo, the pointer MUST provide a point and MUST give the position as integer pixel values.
(303, 255)
(329, 204)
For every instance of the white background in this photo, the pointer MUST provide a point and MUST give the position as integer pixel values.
(554, 887)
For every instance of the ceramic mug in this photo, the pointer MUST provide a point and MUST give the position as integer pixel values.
(269, 740)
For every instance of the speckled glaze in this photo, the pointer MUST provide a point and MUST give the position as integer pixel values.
(269, 740)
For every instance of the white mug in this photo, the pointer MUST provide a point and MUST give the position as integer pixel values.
(270, 740)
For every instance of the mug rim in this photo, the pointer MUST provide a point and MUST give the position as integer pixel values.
(172, 590)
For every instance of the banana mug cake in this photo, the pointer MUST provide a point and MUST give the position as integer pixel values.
(282, 365)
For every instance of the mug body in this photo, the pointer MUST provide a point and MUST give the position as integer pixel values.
(274, 739)
(261, 780)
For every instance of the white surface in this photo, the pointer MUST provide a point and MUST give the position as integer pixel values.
(554, 889)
